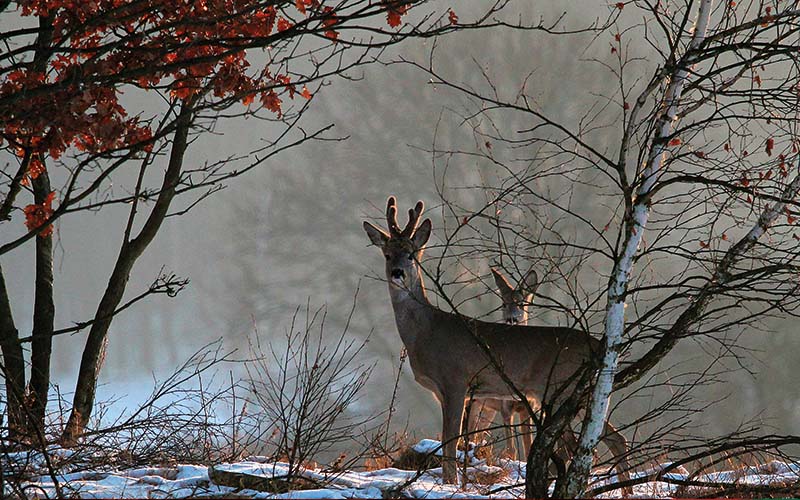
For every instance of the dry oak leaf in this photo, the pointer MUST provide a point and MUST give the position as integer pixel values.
(35, 215)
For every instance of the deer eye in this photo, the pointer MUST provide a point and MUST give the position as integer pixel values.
(411, 256)
(387, 256)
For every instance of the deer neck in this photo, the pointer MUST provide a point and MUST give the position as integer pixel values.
(412, 311)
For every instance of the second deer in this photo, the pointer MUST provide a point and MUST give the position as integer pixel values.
(483, 411)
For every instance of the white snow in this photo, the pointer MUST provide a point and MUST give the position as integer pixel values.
(184, 481)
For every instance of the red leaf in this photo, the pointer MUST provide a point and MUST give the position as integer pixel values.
(302, 4)
(283, 24)
(35, 168)
(35, 215)
(305, 93)
(767, 17)
(395, 12)
(726, 147)
(770, 144)
(287, 82)
(393, 18)
(757, 79)
(620, 5)
(724, 237)
(617, 37)
(704, 244)
(625, 105)
(675, 142)
(272, 102)
(329, 20)
(699, 154)
(452, 17)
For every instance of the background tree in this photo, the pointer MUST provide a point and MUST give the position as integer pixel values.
(663, 211)
(76, 144)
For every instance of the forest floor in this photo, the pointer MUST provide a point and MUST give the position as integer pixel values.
(259, 477)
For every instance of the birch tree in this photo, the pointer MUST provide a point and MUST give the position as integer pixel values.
(635, 224)
(646, 165)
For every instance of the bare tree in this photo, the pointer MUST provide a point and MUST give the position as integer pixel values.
(307, 391)
(662, 208)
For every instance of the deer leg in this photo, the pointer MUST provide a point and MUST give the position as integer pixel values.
(527, 432)
(567, 445)
(481, 416)
(507, 412)
(618, 445)
(452, 413)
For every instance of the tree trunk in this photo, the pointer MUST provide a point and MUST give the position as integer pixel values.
(636, 222)
(43, 318)
(13, 366)
(94, 350)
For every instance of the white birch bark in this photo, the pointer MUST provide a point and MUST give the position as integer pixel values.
(615, 310)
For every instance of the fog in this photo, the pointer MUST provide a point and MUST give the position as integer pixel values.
(290, 232)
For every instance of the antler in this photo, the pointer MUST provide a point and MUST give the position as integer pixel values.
(413, 219)
(391, 216)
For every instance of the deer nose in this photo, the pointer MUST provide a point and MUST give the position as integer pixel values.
(398, 274)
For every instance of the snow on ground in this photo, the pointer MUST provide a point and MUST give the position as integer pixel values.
(184, 481)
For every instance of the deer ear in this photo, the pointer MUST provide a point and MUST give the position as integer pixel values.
(376, 236)
(422, 234)
(502, 284)
(529, 283)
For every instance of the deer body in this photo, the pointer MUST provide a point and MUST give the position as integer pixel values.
(442, 352)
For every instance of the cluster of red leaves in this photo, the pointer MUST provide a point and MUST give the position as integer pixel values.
(396, 10)
(181, 46)
(35, 169)
(36, 215)
(329, 21)
(102, 45)
(88, 116)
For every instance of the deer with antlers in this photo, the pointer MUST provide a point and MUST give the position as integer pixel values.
(445, 356)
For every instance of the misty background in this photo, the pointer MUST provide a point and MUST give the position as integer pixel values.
(290, 232)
